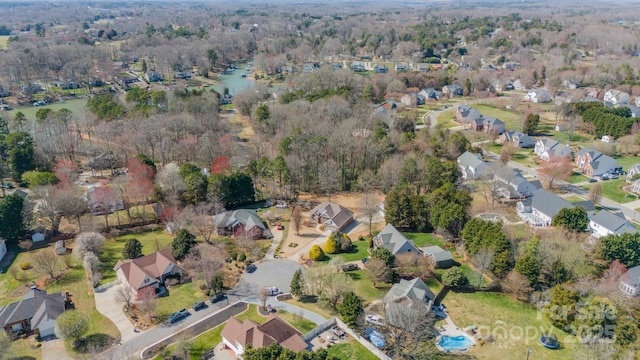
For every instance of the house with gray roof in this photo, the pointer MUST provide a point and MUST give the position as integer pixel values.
(546, 205)
(616, 97)
(241, 222)
(517, 138)
(510, 184)
(607, 223)
(391, 239)
(472, 166)
(37, 312)
(630, 281)
(594, 163)
(332, 215)
(466, 114)
(547, 149)
(452, 90)
(489, 124)
(442, 259)
(430, 93)
(407, 295)
(538, 96)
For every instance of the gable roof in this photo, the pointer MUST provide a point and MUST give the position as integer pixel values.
(338, 214)
(248, 218)
(409, 292)
(472, 161)
(438, 253)
(632, 276)
(390, 238)
(616, 223)
(36, 305)
(548, 203)
(152, 266)
(274, 330)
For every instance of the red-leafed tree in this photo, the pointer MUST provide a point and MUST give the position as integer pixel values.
(66, 171)
(220, 165)
(558, 168)
(139, 182)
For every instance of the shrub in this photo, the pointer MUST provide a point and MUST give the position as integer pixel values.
(454, 277)
(25, 265)
(242, 257)
(331, 246)
(316, 253)
(38, 344)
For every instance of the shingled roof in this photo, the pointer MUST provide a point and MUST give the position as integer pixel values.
(337, 214)
(36, 305)
(149, 267)
(274, 330)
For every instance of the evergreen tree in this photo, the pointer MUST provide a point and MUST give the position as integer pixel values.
(11, 222)
(351, 310)
(132, 249)
(316, 253)
(531, 124)
(573, 219)
(385, 255)
(454, 278)
(297, 283)
(182, 243)
(331, 245)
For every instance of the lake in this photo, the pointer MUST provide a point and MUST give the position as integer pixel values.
(234, 81)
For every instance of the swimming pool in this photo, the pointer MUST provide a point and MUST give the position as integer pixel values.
(449, 343)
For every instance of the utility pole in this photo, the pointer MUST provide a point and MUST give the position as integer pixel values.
(529, 351)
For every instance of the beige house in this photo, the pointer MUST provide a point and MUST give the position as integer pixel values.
(146, 271)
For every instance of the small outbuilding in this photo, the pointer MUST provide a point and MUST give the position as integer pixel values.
(60, 247)
(442, 259)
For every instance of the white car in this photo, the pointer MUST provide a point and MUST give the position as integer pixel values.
(374, 319)
(272, 290)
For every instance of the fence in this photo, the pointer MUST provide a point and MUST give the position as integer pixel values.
(318, 329)
(364, 342)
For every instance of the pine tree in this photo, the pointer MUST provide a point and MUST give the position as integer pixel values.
(297, 284)
(351, 310)
(132, 249)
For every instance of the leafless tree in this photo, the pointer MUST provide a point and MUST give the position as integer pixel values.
(93, 267)
(170, 182)
(329, 177)
(325, 283)
(205, 262)
(337, 262)
(407, 329)
(46, 263)
(554, 170)
(378, 271)
(595, 193)
(369, 209)
(184, 346)
(200, 219)
(482, 261)
(123, 294)
(516, 284)
(296, 219)
(507, 152)
(264, 295)
(88, 242)
(610, 279)
(147, 301)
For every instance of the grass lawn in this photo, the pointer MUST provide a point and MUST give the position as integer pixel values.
(573, 198)
(351, 350)
(612, 189)
(113, 249)
(120, 217)
(423, 239)
(563, 137)
(577, 178)
(22, 350)
(496, 314)
(363, 287)
(511, 119)
(627, 161)
(447, 119)
(180, 297)
(77, 106)
(358, 251)
(4, 39)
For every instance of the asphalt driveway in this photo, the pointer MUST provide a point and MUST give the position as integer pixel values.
(277, 272)
(107, 305)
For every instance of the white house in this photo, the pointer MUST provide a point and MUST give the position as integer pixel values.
(3, 249)
(538, 96)
(547, 148)
(616, 97)
(630, 281)
(542, 207)
(607, 223)
(472, 166)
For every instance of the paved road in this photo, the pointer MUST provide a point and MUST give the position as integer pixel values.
(277, 272)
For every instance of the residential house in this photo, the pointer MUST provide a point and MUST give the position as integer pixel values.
(633, 173)
(571, 84)
(637, 101)
(36, 312)
(413, 294)
(542, 207)
(331, 215)
(630, 281)
(147, 271)
(391, 239)
(422, 67)
(241, 223)
(518, 85)
(516, 138)
(430, 93)
(3, 248)
(616, 97)
(467, 114)
(491, 124)
(510, 66)
(401, 66)
(472, 166)
(606, 139)
(538, 96)
(238, 334)
(358, 67)
(310, 67)
(547, 149)
(442, 259)
(152, 76)
(510, 184)
(452, 90)
(594, 163)
(476, 124)
(412, 99)
(335, 66)
(104, 199)
(380, 69)
(594, 93)
(607, 223)
(635, 111)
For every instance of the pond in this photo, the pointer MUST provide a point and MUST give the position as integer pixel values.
(234, 80)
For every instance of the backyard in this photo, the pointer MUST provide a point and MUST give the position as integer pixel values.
(511, 120)
(612, 190)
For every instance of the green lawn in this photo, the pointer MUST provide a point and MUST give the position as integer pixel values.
(447, 119)
(351, 350)
(627, 161)
(358, 251)
(612, 190)
(363, 287)
(113, 249)
(22, 350)
(497, 314)
(180, 297)
(77, 106)
(511, 120)
(574, 198)
(577, 178)
(4, 39)
(423, 239)
(563, 137)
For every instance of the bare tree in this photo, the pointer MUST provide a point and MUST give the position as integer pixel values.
(610, 278)
(123, 294)
(488, 189)
(325, 283)
(507, 152)
(184, 346)
(330, 177)
(378, 270)
(296, 219)
(264, 295)
(482, 261)
(337, 262)
(200, 219)
(205, 262)
(407, 329)
(595, 193)
(89, 242)
(556, 169)
(147, 301)
(46, 263)
(516, 284)
(369, 208)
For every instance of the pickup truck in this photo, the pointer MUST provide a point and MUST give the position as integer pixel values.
(178, 315)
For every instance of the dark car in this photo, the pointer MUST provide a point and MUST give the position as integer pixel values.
(250, 268)
(217, 297)
(199, 305)
(592, 180)
(178, 315)
(350, 267)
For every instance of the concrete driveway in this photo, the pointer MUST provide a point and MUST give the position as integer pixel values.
(107, 305)
(54, 350)
(277, 272)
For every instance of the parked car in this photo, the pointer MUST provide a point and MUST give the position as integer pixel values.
(272, 290)
(350, 267)
(199, 305)
(217, 297)
(250, 268)
(279, 226)
(5, 107)
(39, 103)
(592, 180)
(374, 319)
(178, 315)
(338, 332)
(613, 177)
